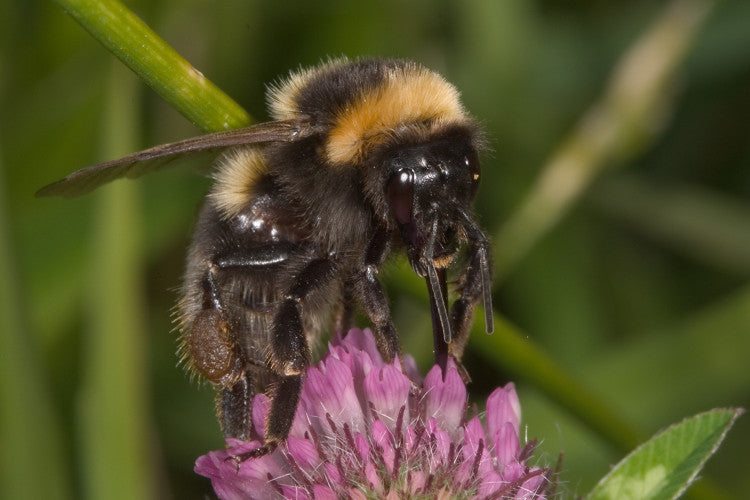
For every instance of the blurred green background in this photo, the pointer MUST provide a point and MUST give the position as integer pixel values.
(634, 280)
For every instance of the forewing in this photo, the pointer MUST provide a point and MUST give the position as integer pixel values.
(89, 178)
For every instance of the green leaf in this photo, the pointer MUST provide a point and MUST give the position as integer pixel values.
(668, 463)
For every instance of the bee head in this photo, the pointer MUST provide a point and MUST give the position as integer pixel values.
(429, 189)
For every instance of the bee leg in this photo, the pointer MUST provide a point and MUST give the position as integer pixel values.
(280, 418)
(438, 291)
(345, 313)
(290, 354)
(217, 357)
(372, 299)
(234, 408)
(474, 287)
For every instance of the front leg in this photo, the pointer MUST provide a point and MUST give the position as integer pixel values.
(475, 286)
(372, 299)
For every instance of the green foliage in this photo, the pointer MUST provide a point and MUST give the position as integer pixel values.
(622, 301)
(667, 464)
(158, 64)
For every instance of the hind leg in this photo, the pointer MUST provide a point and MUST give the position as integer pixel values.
(290, 354)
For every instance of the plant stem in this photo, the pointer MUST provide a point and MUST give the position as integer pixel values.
(159, 65)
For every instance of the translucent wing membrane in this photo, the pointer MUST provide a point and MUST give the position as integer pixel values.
(137, 164)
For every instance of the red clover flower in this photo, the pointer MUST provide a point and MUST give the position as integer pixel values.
(368, 429)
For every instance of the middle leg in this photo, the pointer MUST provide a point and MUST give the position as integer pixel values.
(289, 355)
(373, 300)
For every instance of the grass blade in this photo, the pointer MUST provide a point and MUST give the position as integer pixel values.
(158, 64)
(31, 454)
(118, 448)
(617, 127)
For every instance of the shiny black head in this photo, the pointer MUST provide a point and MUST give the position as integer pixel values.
(430, 184)
(429, 190)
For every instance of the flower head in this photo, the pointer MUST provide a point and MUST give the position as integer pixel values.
(368, 429)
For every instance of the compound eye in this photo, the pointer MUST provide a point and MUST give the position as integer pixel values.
(400, 194)
(472, 164)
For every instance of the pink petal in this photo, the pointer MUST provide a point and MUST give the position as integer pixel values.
(231, 484)
(410, 438)
(491, 483)
(371, 473)
(362, 447)
(238, 489)
(303, 452)
(361, 365)
(209, 465)
(296, 492)
(261, 467)
(507, 447)
(416, 482)
(388, 391)
(359, 362)
(321, 492)
(332, 474)
(332, 394)
(473, 434)
(356, 494)
(360, 340)
(503, 406)
(445, 399)
(383, 438)
(441, 440)
(513, 471)
(531, 486)
(218, 463)
(381, 435)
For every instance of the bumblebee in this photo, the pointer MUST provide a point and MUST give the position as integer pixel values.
(364, 157)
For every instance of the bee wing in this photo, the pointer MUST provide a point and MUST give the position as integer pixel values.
(134, 165)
